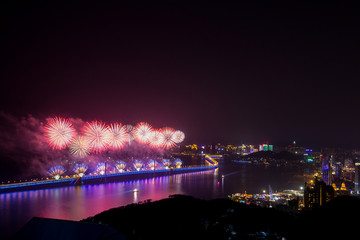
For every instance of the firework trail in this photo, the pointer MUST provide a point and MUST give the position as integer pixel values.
(60, 132)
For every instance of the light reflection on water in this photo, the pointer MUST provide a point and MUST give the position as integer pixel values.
(78, 202)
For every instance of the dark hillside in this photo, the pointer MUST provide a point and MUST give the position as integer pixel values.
(338, 219)
(184, 217)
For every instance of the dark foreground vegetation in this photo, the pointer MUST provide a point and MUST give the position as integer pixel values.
(185, 217)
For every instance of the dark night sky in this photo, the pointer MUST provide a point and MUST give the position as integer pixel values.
(228, 73)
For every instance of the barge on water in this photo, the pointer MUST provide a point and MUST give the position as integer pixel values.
(96, 179)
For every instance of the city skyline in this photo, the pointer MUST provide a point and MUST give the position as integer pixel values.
(221, 73)
(173, 120)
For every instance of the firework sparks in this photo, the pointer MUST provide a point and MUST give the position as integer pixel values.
(168, 137)
(60, 132)
(97, 135)
(156, 138)
(80, 147)
(166, 163)
(120, 166)
(100, 168)
(57, 171)
(178, 163)
(138, 165)
(80, 169)
(142, 132)
(178, 136)
(117, 136)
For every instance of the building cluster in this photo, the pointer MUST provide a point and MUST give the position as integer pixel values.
(334, 171)
(218, 148)
(335, 177)
(289, 199)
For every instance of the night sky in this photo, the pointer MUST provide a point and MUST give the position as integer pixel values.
(220, 73)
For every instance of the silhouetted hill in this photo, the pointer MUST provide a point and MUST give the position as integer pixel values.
(184, 217)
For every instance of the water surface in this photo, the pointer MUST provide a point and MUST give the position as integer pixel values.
(79, 202)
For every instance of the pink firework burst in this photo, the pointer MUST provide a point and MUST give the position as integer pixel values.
(118, 136)
(80, 147)
(178, 136)
(60, 132)
(142, 132)
(168, 137)
(97, 135)
(156, 138)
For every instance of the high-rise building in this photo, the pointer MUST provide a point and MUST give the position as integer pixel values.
(326, 171)
(317, 194)
(356, 180)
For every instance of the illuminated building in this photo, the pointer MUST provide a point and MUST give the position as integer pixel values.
(326, 171)
(318, 194)
(356, 182)
(266, 147)
(343, 190)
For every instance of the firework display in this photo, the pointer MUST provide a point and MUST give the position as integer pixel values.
(80, 169)
(166, 163)
(138, 165)
(143, 132)
(80, 147)
(120, 166)
(104, 168)
(60, 132)
(178, 136)
(168, 134)
(95, 143)
(156, 138)
(100, 168)
(57, 171)
(178, 163)
(118, 136)
(153, 164)
(96, 137)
